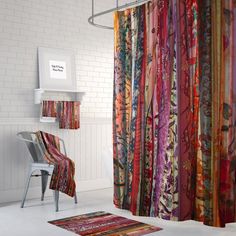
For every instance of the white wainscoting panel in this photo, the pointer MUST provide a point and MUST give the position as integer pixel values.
(86, 146)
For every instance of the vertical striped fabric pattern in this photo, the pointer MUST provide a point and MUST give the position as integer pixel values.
(64, 168)
(49, 109)
(174, 110)
(67, 112)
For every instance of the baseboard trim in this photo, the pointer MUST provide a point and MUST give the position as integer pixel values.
(14, 195)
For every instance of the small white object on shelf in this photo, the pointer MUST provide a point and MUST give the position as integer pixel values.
(38, 93)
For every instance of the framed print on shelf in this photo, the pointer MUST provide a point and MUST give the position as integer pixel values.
(56, 69)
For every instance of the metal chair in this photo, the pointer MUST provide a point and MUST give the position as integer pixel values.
(38, 164)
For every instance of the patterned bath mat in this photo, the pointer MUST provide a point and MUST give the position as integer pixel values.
(103, 223)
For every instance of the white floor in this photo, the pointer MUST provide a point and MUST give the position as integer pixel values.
(32, 220)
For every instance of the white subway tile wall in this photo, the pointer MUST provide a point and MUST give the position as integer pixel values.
(26, 25)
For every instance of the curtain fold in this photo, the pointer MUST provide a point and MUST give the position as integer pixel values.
(204, 197)
(174, 112)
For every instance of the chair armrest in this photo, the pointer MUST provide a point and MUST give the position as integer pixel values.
(26, 140)
(30, 141)
(64, 147)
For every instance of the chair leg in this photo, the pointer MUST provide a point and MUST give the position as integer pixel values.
(26, 188)
(75, 198)
(44, 179)
(56, 199)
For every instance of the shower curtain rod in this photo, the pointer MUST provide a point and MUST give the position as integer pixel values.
(117, 8)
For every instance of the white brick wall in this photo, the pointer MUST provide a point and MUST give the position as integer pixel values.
(26, 25)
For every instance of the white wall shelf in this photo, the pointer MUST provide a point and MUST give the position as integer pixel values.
(38, 93)
(38, 98)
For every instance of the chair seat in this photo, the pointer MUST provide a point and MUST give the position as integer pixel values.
(42, 165)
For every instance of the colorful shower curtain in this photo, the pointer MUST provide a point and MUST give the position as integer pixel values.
(174, 110)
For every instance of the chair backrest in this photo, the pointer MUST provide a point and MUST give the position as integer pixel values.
(32, 144)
